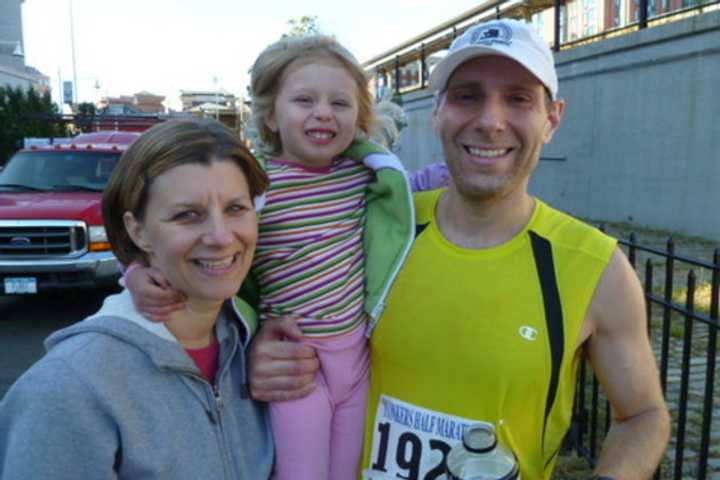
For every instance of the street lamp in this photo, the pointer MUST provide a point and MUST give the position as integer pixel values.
(217, 99)
(18, 51)
(76, 97)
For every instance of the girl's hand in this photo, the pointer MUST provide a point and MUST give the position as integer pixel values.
(152, 295)
(430, 177)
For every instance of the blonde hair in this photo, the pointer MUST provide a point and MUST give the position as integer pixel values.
(165, 146)
(271, 69)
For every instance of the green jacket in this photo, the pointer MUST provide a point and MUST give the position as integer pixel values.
(387, 238)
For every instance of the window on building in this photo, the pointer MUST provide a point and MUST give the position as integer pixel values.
(410, 75)
(538, 22)
(652, 8)
(619, 13)
(589, 18)
(381, 84)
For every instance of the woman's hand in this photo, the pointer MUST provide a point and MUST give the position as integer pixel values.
(281, 368)
(152, 295)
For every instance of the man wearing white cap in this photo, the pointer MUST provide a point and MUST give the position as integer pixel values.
(501, 295)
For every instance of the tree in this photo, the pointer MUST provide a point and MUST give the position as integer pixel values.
(85, 113)
(86, 108)
(305, 25)
(25, 114)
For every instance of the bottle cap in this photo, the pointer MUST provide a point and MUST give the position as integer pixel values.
(480, 457)
(479, 438)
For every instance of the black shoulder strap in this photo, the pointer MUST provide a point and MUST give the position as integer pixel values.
(420, 228)
(542, 250)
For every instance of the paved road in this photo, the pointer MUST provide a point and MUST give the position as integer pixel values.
(25, 321)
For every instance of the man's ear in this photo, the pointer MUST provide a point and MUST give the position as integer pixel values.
(555, 115)
(136, 232)
(436, 108)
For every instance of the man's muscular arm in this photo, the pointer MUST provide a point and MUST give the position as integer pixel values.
(622, 358)
(281, 368)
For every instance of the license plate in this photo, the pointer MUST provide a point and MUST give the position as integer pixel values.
(20, 285)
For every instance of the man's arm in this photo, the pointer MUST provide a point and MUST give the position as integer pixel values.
(281, 368)
(622, 358)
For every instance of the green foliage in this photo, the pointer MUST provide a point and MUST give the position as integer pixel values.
(85, 113)
(86, 108)
(25, 114)
(305, 25)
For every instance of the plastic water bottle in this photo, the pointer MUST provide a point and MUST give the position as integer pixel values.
(479, 457)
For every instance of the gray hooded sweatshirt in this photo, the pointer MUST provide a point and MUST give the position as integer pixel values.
(117, 396)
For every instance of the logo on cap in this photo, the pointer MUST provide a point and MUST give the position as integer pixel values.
(491, 34)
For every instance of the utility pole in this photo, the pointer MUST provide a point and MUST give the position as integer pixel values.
(60, 90)
(217, 99)
(72, 45)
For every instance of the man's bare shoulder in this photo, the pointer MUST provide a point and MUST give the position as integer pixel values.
(617, 302)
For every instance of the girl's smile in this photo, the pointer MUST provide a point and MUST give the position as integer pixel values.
(315, 112)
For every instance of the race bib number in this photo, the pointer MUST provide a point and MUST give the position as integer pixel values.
(412, 442)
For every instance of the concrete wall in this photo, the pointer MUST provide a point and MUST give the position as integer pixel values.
(640, 141)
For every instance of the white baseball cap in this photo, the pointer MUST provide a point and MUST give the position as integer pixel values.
(505, 37)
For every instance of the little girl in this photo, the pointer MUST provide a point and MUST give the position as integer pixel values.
(334, 231)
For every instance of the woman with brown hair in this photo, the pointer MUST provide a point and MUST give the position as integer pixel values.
(117, 396)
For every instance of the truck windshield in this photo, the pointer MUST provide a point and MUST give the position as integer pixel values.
(58, 171)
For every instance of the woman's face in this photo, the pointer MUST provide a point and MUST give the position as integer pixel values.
(200, 229)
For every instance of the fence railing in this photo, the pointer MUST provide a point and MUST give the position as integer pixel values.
(682, 318)
(405, 68)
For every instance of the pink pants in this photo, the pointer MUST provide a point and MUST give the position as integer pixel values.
(320, 437)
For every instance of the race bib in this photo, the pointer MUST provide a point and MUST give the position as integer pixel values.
(412, 442)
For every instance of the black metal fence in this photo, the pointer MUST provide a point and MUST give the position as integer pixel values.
(682, 318)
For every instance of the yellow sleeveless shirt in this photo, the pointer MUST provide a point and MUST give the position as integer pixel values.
(481, 335)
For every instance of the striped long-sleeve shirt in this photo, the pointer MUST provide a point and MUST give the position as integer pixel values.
(309, 260)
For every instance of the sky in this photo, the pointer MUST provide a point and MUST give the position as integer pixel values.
(162, 46)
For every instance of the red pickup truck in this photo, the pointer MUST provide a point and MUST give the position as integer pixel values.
(51, 229)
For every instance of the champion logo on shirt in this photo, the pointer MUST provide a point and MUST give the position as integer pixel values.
(528, 333)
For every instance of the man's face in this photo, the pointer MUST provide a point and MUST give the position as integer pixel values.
(493, 120)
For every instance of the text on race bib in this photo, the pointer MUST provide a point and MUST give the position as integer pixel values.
(412, 442)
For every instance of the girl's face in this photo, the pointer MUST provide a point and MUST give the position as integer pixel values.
(315, 113)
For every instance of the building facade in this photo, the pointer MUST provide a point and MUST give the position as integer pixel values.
(141, 102)
(195, 98)
(148, 102)
(405, 68)
(583, 18)
(13, 71)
